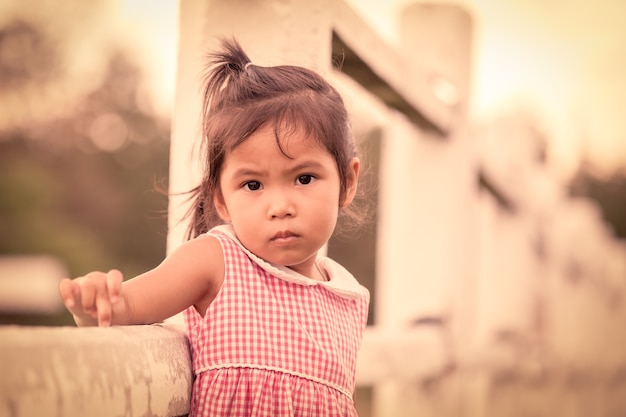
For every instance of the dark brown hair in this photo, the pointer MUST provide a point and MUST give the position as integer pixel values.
(240, 97)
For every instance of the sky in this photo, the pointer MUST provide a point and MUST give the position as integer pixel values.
(570, 55)
(564, 58)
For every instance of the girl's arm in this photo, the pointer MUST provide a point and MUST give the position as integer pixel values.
(191, 275)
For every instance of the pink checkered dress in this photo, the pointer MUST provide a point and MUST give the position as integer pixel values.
(276, 343)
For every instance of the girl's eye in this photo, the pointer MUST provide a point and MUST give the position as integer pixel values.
(252, 185)
(305, 179)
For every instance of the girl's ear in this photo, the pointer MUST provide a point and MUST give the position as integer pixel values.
(352, 180)
(220, 207)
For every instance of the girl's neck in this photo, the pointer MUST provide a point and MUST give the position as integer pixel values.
(316, 273)
(320, 274)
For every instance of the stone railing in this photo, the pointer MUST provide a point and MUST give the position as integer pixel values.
(146, 370)
(119, 371)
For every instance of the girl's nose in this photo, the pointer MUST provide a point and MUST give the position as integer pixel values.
(280, 205)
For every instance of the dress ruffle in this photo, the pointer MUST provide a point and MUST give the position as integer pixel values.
(250, 392)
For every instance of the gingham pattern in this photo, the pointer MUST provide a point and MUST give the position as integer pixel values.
(273, 345)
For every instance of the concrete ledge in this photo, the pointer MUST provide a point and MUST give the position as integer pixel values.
(118, 371)
(404, 356)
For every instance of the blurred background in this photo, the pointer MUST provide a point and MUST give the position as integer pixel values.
(499, 239)
(85, 110)
(86, 93)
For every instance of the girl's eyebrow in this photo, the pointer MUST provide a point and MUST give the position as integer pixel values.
(301, 166)
(246, 172)
(307, 164)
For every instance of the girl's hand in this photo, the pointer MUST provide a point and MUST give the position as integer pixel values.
(191, 275)
(94, 299)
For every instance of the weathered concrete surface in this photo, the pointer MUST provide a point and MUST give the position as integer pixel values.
(378, 363)
(119, 371)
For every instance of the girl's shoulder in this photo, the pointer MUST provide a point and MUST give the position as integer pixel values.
(202, 255)
(199, 263)
(205, 242)
(222, 233)
(219, 244)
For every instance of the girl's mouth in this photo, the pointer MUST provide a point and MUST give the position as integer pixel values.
(284, 236)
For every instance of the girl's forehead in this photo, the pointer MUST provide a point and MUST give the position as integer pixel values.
(285, 139)
(263, 153)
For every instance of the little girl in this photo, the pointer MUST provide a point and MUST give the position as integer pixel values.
(274, 328)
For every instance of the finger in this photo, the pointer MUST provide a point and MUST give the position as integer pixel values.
(70, 291)
(103, 308)
(88, 289)
(67, 292)
(78, 298)
(114, 284)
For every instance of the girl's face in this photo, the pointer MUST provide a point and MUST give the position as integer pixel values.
(283, 209)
